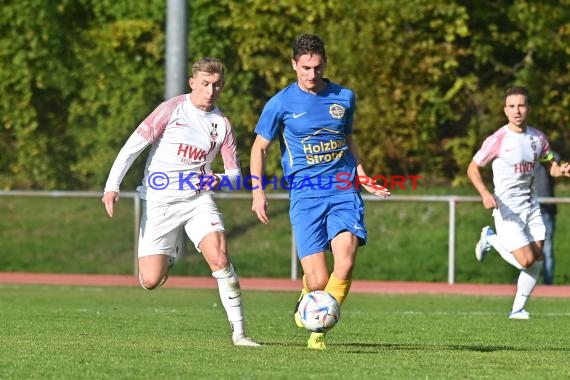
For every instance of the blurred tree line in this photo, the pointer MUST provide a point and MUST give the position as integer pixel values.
(78, 76)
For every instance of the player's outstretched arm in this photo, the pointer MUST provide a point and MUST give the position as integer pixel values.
(372, 188)
(257, 171)
(109, 199)
(474, 174)
(559, 170)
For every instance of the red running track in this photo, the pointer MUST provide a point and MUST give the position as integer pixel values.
(279, 284)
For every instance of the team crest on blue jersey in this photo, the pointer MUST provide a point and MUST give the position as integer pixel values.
(336, 111)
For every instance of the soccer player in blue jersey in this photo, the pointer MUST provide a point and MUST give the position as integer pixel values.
(313, 119)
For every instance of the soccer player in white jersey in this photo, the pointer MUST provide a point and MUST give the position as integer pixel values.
(186, 133)
(513, 151)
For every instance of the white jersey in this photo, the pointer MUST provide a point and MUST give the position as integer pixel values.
(513, 156)
(185, 141)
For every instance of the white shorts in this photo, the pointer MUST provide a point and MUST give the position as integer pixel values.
(161, 224)
(519, 229)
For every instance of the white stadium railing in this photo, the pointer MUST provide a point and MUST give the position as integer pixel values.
(451, 200)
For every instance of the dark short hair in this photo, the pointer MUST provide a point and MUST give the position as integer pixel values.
(308, 44)
(517, 90)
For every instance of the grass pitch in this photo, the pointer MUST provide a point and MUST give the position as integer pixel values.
(55, 332)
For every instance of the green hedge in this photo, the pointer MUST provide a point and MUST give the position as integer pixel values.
(77, 76)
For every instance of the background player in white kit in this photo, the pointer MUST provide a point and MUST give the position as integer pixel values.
(186, 133)
(514, 150)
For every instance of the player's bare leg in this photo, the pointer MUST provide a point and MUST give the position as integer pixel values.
(344, 247)
(153, 270)
(315, 275)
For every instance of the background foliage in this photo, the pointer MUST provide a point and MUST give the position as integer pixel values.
(77, 76)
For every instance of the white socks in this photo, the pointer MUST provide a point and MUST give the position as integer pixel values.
(230, 295)
(505, 254)
(525, 284)
(527, 278)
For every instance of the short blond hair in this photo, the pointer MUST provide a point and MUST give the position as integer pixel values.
(210, 65)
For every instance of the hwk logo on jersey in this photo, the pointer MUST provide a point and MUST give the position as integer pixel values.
(191, 153)
(214, 132)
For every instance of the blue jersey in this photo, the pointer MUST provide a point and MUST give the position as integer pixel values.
(312, 130)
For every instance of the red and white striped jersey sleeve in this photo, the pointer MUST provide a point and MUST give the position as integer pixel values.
(146, 133)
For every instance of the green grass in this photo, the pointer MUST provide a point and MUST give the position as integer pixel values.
(407, 240)
(69, 235)
(54, 332)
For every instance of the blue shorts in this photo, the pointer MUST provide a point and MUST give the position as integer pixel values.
(316, 221)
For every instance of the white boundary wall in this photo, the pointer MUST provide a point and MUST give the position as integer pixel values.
(451, 200)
